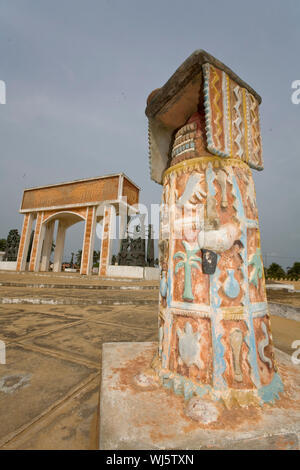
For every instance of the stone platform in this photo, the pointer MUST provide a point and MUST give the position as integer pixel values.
(131, 418)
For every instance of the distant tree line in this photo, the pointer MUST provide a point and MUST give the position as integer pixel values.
(96, 258)
(10, 245)
(2, 244)
(275, 271)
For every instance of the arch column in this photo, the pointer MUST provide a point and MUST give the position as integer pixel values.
(88, 241)
(47, 245)
(59, 246)
(123, 219)
(105, 254)
(24, 242)
(35, 255)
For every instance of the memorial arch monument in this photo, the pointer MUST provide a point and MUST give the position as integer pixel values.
(92, 200)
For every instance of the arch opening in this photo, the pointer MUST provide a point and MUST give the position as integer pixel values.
(58, 229)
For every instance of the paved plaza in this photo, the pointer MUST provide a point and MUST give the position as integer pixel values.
(49, 387)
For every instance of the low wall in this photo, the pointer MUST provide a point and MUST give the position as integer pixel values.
(8, 265)
(151, 274)
(284, 311)
(135, 272)
(288, 287)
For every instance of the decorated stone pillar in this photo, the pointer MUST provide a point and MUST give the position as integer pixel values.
(214, 326)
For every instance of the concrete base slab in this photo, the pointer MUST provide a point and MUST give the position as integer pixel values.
(288, 287)
(285, 311)
(136, 419)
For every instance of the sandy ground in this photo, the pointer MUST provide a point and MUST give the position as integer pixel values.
(284, 297)
(296, 284)
(49, 387)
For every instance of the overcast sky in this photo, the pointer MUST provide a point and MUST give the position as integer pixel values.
(78, 73)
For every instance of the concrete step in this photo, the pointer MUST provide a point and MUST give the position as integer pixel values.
(79, 286)
(75, 301)
(77, 295)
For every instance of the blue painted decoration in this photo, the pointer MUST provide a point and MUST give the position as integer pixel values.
(184, 386)
(270, 393)
(250, 337)
(256, 261)
(219, 363)
(231, 285)
(163, 285)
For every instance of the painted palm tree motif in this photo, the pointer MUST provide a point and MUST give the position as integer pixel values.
(188, 261)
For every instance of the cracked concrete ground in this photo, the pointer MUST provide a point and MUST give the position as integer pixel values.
(49, 386)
